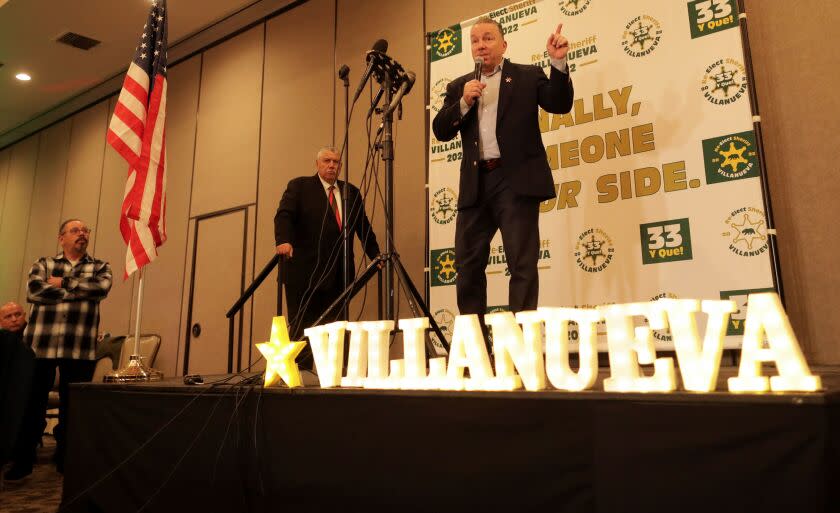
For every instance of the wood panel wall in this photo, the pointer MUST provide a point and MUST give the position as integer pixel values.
(248, 114)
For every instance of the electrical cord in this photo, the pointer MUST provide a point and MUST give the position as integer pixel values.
(138, 449)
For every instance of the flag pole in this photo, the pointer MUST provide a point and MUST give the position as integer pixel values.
(137, 132)
(135, 370)
(136, 351)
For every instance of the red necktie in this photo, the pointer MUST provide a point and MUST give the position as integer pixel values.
(334, 206)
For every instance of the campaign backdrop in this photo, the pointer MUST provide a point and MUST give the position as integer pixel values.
(655, 167)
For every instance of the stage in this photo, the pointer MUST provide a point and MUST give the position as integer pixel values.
(171, 447)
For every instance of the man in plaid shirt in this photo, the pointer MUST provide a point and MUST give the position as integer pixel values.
(65, 292)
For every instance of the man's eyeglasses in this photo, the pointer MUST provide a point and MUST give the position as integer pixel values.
(77, 230)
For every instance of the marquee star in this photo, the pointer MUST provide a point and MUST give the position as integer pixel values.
(280, 355)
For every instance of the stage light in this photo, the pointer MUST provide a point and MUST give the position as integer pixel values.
(23, 77)
(765, 315)
(280, 355)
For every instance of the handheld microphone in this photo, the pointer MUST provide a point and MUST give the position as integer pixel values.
(404, 89)
(380, 46)
(477, 73)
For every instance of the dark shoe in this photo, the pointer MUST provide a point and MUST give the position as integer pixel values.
(17, 472)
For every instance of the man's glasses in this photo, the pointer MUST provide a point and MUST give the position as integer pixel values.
(77, 230)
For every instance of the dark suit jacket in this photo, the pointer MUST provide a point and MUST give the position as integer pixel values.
(17, 363)
(522, 89)
(305, 220)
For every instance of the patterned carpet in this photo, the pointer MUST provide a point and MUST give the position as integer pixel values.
(40, 492)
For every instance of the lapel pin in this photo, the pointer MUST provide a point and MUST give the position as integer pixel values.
(508, 80)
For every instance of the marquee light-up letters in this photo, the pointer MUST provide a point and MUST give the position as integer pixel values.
(765, 314)
(628, 346)
(327, 344)
(557, 347)
(698, 364)
(378, 335)
(519, 360)
(517, 347)
(468, 351)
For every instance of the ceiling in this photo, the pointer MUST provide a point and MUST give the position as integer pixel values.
(65, 79)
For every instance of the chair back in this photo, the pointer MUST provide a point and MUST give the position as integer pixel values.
(149, 345)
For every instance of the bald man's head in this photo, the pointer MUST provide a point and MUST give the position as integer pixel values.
(12, 317)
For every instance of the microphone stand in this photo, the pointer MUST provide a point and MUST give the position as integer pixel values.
(390, 74)
(388, 158)
(344, 74)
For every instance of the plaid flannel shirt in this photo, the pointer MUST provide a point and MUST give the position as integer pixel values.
(64, 321)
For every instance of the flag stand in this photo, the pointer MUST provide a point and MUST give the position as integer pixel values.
(135, 371)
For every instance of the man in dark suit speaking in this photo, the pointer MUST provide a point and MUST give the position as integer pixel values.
(504, 171)
(307, 230)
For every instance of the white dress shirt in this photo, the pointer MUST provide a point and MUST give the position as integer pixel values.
(488, 109)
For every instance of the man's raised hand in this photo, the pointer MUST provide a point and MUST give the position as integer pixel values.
(557, 45)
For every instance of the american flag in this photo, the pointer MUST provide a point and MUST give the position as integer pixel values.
(137, 131)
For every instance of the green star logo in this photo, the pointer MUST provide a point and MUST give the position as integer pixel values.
(445, 43)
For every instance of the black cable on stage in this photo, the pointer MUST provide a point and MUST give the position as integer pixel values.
(184, 455)
(306, 297)
(370, 175)
(245, 381)
(364, 188)
(256, 448)
(143, 445)
(364, 261)
(388, 230)
(233, 415)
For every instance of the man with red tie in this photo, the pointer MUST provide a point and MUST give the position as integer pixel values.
(307, 230)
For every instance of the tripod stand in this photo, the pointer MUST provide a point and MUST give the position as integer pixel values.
(395, 84)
